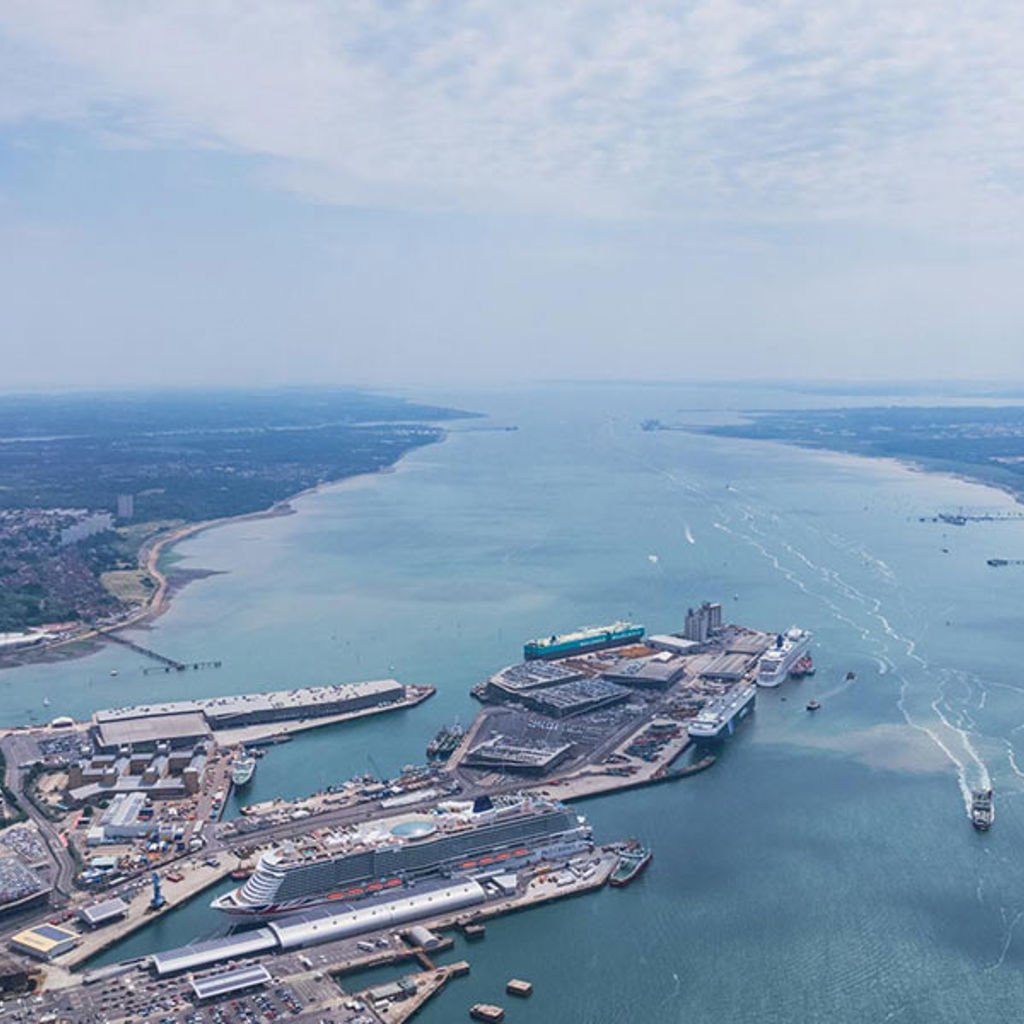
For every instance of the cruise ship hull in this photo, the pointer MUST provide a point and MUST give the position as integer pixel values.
(776, 663)
(265, 895)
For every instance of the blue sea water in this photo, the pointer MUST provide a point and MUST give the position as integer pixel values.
(824, 870)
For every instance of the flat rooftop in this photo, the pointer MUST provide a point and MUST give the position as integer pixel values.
(185, 725)
(499, 754)
(659, 670)
(247, 703)
(533, 675)
(201, 954)
(230, 981)
(676, 644)
(45, 940)
(747, 643)
(101, 913)
(727, 666)
(579, 695)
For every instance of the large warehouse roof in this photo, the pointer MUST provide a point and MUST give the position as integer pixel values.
(101, 913)
(45, 941)
(200, 954)
(220, 707)
(230, 981)
(120, 732)
(310, 929)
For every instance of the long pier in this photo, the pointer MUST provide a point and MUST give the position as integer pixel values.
(166, 664)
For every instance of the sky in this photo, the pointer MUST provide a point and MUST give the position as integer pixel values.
(437, 191)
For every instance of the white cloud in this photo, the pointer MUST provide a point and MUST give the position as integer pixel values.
(851, 110)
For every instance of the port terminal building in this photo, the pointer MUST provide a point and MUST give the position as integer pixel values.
(185, 723)
(326, 925)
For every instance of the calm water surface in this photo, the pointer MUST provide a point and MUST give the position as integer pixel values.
(824, 870)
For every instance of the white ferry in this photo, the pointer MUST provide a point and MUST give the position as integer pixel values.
(720, 717)
(788, 649)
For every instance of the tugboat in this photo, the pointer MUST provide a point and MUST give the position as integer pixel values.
(804, 667)
(242, 770)
(632, 861)
(983, 811)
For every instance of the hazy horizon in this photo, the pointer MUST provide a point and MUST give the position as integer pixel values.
(844, 387)
(396, 194)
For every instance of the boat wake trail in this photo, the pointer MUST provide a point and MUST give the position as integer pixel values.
(930, 698)
(924, 692)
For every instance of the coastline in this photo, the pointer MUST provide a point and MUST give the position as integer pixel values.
(960, 471)
(152, 550)
(978, 473)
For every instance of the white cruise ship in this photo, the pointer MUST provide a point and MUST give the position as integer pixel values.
(457, 840)
(776, 662)
(720, 717)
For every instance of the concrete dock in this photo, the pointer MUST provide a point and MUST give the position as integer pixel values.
(309, 982)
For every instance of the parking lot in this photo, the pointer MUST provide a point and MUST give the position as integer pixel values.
(303, 990)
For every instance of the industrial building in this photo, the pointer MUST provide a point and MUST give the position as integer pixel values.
(738, 640)
(98, 914)
(160, 774)
(185, 728)
(122, 819)
(45, 941)
(499, 755)
(184, 723)
(575, 698)
(658, 672)
(392, 991)
(674, 643)
(422, 938)
(229, 982)
(703, 622)
(727, 668)
(515, 681)
(213, 951)
(324, 925)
